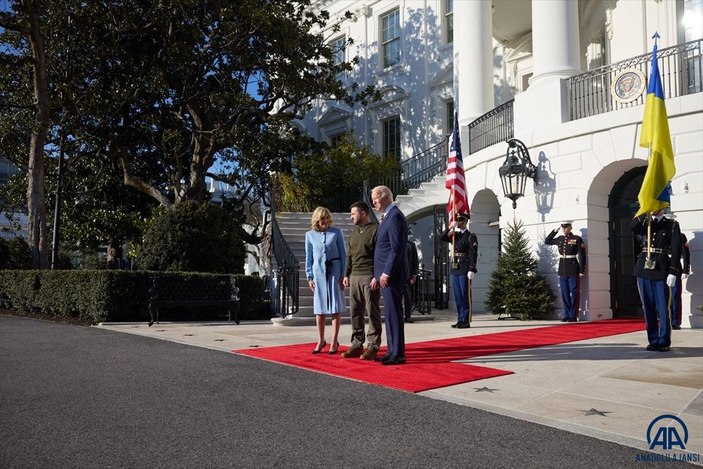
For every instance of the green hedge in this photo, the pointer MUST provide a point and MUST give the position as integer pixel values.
(94, 296)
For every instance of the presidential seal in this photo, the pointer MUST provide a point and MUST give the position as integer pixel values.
(628, 85)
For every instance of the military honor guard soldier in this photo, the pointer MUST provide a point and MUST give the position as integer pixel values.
(463, 266)
(572, 266)
(657, 269)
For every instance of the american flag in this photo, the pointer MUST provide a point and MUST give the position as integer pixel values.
(455, 177)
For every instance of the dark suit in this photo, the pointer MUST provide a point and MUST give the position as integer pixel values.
(389, 259)
(665, 252)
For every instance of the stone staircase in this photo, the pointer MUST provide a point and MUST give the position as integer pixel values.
(429, 193)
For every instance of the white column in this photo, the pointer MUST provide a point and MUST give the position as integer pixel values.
(555, 39)
(555, 54)
(473, 59)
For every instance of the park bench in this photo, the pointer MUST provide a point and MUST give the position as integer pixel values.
(180, 291)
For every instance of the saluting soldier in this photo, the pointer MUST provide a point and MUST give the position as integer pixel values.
(463, 266)
(572, 266)
(656, 269)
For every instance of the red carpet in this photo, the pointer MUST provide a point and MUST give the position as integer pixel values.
(428, 363)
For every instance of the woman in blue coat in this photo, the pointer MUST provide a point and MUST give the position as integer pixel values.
(325, 256)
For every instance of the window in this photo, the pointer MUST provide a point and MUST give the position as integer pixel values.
(391, 138)
(338, 47)
(390, 38)
(449, 20)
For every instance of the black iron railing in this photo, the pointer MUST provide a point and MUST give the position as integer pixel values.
(495, 126)
(285, 294)
(593, 92)
(425, 166)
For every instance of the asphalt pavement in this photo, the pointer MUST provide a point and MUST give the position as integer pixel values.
(77, 396)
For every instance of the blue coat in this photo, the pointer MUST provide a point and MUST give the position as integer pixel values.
(321, 248)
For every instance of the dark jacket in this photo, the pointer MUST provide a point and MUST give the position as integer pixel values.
(665, 247)
(465, 251)
(411, 259)
(572, 253)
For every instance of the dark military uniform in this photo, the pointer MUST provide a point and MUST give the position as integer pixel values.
(654, 264)
(676, 309)
(572, 264)
(463, 262)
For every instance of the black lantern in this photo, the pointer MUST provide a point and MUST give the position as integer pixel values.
(515, 170)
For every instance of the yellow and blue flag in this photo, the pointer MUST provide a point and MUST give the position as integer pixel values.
(656, 190)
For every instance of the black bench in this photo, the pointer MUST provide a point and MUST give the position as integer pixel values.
(193, 291)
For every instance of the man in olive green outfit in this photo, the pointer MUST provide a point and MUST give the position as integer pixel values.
(358, 275)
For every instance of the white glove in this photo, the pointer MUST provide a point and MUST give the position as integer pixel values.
(671, 280)
(470, 275)
(684, 275)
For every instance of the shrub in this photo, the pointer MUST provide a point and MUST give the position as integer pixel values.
(15, 254)
(192, 238)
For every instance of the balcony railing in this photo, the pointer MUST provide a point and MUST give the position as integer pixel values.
(680, 67)
(495, 126)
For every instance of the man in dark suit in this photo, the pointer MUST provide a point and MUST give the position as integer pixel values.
(390, 272)
(656, 270)
(412, 266)
(685, 270)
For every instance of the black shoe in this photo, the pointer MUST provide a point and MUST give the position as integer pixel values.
(394, 361)
(663, 348)
(463, 325)
(456, 325)
(564, 319)
(571, 320)
(409, 320)
(652, 347)
(676, 328)
(318, 350)
(385, 358)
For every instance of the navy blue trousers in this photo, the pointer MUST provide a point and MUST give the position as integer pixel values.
(570, 296)
(655, 295)
(394, 320)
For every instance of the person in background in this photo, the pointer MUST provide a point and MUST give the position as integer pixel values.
(463, 266)
(325, 256)
(389, 271)
(358, 276)
(684, 271)
(572, 266)
(411, 258)
(656, 268)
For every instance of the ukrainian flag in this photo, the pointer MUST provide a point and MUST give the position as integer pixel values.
(655, 191)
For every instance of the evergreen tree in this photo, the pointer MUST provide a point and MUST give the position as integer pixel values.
(516, 288)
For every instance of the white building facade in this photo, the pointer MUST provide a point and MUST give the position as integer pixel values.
(566, 78)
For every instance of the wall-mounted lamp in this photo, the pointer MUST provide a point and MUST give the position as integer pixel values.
(515, 170)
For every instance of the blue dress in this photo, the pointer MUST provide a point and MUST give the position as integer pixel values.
(326, 248)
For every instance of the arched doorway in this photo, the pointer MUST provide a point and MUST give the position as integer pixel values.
(624, 247)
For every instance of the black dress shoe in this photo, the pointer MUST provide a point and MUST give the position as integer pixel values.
(456, 325)
(463, 325)
(409, 320)
(663, 348)
(564, 319)
(394, 361)
(652, 347)
(572, 320)
(676, 328)
(385, 358)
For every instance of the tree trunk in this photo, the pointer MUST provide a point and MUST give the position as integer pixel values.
(35, 178)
